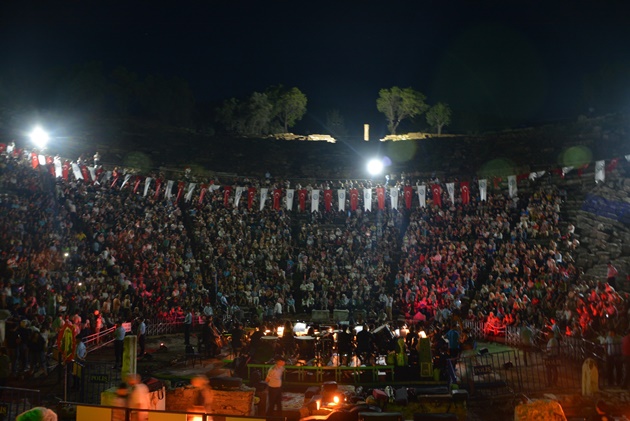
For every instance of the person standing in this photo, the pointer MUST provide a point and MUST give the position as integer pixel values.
(187, 326)
(613, 358)
(527, 341)
(119, 338)
(237, 339)
(452, 336)
(139, 398)
(274, 381)
(142, 336)
(551, 362)
(80, 353)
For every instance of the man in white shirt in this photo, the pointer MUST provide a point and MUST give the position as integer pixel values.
(142, 335)
(277, 310)
(274, 381)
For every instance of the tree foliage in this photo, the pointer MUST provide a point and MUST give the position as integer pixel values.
(398, 104)
(274, 110)
(439, 116)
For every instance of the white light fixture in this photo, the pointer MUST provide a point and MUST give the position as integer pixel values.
(39, 137)
(375, 166)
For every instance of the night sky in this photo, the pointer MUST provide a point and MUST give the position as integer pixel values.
(522, 62)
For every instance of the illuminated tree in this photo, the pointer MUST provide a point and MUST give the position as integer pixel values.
(439, 116)
(398, 104)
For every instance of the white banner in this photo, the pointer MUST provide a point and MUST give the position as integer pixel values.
(42, 160)
(77, 171)
(92, 171)
(314, 200)
(107, 176)
(393, 194)
(263, 198)
(341, 197)
(213, 187)
(535, 175)
(450, 188)
(600, 172)
(512, 187)
(169, 187)
(483, 190)
(367, 199)
(290, 196)
(238, 195)
(191, 188)
(422, 195)
(627, 158)
(58, 168)
(147, 183)
(566, 170)
(127, 177)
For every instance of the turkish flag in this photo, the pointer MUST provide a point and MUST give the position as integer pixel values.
(180, 190)
(158, 184)
(202, 194)
(465, 189)
(227, 191)
(99, 172)
(251, 193)
(327, 200)
(277, 195)
(437, 194)
(51, 165)
(3, 147)
(354, 199)
(85, 173)
(612, 165)
(408, 196)
(34, 160)
(135, 187)
(65, 170)
(380, 197)
(302, 199)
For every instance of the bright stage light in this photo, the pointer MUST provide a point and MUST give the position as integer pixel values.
(39, 137)
(375, 166)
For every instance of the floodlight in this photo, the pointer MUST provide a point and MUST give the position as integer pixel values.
(375, 166)
(39, 137)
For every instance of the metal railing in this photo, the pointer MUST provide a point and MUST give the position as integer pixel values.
(14, 401)
(91, 412)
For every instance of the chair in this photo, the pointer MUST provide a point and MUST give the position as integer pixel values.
(193, 356)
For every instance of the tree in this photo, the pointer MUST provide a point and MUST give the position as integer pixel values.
(398, 104)
(289, 105)
(439, 116)
(258, 114)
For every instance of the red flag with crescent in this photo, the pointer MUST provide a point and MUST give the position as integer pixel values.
(328, 200)
(465, 190)
(180, 190)
(354, 199)
(51, 165)
(85, 173)
(135, 186)
(277, 195)
(408, 196)
(202, 193)
(158, 184)
(380, 197)
(34, 160)
(302, 199)
(437, 194)
(251, 193)
(227, 191)
(65, 170)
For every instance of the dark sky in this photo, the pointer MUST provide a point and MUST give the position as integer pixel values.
(522, 61)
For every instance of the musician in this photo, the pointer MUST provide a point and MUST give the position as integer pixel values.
(237, 339)
(452, 336)
(344, 344)
(287, 342)
(209, 335)
(365, 345)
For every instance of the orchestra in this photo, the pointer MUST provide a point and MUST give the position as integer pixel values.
(335, 344)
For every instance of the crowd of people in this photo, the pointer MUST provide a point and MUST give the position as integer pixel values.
(96, 254)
